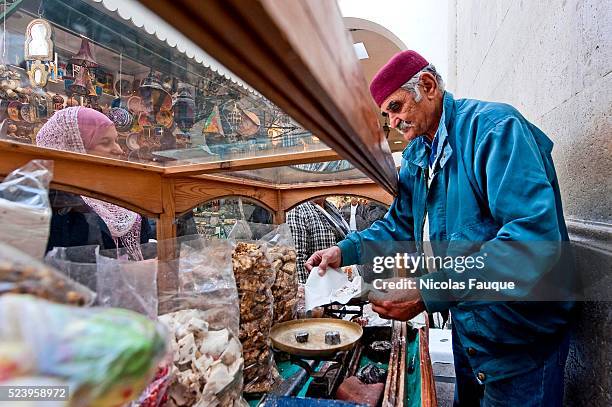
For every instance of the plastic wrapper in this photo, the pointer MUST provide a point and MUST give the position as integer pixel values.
(126, 284)
(25, 212)
(155, 394)
(22, 274)
(300, 308)
(254, 278)
(105, 355)
(78, 263)
(203, 318)
(282, 255)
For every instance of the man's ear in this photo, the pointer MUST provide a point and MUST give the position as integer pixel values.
(429, 84)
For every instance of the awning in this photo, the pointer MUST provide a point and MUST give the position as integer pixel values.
(144, 18)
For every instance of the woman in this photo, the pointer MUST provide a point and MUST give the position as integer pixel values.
(80, 220)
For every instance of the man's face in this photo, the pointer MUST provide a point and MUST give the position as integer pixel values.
(411, 118)
(354, 201)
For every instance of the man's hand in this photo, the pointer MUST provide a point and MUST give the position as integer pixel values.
(401, 305)
(331, 257)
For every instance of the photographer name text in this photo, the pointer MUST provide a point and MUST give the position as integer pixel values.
(427, 284)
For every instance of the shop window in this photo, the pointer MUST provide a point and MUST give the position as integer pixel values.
(216, 219)
(140, 98)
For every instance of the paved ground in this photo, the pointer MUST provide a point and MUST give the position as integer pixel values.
(444, 391)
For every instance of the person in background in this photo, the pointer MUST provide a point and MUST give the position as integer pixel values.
(355, 215)
(80, 220)
(374, 211)
(260, 215)
(314, 226)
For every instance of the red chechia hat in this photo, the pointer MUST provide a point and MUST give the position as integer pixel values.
(400, 68)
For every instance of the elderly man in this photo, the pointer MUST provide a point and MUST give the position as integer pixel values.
(475, 172)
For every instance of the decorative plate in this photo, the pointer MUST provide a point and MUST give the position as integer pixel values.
(132, 141)
(27, 113)
(121, 117)
(143, 119)
(134, 104)
(13, 110)
(164, 118)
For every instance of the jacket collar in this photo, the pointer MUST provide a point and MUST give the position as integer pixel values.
(416, 154)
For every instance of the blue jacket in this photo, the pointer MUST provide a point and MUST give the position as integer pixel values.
(493, 183)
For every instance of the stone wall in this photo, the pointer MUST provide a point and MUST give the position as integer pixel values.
(553, 61)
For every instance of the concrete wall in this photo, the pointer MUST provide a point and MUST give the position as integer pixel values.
(552, 59)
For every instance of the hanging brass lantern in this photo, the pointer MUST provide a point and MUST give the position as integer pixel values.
(184, 109)
(81, 84)
(84, 56)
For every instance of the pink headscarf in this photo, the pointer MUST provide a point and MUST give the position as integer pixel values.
(90, 122)
(77, 129)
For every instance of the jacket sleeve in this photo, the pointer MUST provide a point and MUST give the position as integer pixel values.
(511, 175)
(397, 225)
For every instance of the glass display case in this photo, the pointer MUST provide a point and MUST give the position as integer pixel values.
(174, 127)
(137, 114)
(175, 110)
(169, 107)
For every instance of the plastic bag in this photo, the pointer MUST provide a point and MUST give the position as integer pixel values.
(281, 251)
(105, 355)
(203, 316)
(126, 284)
(254, 278)
(22, 274)
(77, 263)
(155, 394)
(25, 212)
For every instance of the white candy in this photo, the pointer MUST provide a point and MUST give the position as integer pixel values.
(197, 325)
(203, 364)
(232, 352)
(187, 348)
(219, 362)
(218, 379)
(214, 343)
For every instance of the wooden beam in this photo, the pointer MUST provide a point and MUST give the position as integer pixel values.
(189, 192)
(329, 183)
(293, 197)
(13, 147)
(252, 163)
(134, 186)
(279, 213)
(299, 55)
(167, 272)
(428, 385)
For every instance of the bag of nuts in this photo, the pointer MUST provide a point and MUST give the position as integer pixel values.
(254, 278)
(281, 251)
(22, 274)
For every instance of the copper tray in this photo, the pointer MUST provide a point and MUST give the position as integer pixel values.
(283, 336)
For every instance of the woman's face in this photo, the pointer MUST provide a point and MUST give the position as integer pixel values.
(106, 144)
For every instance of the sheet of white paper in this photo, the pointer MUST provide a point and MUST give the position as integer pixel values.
(333, 286)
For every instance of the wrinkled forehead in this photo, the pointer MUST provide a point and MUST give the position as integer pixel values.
(400, 95)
